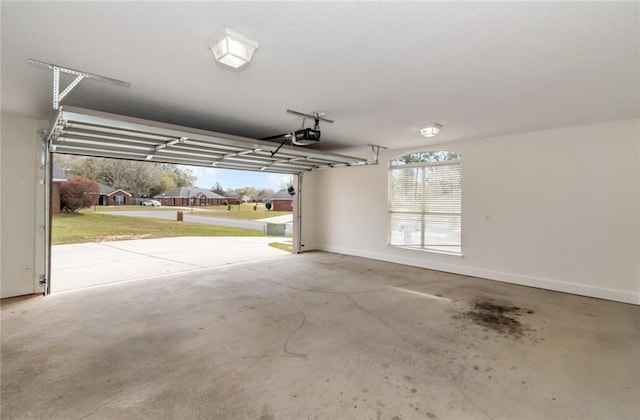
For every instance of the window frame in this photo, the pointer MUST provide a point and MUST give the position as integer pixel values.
(422, 216)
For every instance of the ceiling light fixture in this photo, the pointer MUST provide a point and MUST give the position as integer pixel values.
(431, 130)
(234, 50)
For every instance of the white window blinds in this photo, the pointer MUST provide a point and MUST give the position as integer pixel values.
(425, 196)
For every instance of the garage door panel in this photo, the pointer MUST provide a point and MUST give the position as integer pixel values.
(92, 133)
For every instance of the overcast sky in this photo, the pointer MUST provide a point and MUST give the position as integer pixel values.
(232, 179)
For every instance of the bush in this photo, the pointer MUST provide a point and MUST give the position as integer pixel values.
(78, 193)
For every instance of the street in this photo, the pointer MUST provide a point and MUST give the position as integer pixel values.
(193, 218)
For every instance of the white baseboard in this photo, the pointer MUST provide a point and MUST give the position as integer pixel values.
(542, 283)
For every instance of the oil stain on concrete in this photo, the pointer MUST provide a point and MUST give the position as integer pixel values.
(503, 319)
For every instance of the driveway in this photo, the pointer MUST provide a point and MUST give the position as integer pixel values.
(91, 264)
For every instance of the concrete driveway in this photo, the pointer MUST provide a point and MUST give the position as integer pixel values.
(92, 264)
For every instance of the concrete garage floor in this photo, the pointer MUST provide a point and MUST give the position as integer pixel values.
(319, 336)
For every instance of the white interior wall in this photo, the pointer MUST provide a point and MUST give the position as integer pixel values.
(21, 203)
(556, 209)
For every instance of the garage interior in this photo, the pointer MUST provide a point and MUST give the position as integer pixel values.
(536, 317)
(328, 337)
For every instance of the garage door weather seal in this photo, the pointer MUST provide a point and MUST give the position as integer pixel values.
(78, 131)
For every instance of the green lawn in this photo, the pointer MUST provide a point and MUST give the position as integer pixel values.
(282, 246)
(89, 226)
(242, 211)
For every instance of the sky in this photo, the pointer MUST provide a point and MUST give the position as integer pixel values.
(232, 179)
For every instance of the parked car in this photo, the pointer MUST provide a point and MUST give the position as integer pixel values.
(153, 203)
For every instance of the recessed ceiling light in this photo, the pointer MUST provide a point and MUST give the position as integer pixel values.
(234, 50)
(431, 130)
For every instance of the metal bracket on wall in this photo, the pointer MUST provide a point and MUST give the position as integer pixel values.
(376, 151)
(80, 75)
(44, 147)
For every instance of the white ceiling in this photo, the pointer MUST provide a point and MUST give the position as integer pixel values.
(380, 70)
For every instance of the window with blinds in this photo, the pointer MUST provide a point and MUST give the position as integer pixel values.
(425, 202)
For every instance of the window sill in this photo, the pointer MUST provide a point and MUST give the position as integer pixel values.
(430, 250)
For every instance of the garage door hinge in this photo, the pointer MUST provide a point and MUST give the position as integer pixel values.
(43, 283)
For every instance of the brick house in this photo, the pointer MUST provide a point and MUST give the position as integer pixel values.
(280, 201)
(113, 197)
(231, 197)
(188, 196)
(59, 176)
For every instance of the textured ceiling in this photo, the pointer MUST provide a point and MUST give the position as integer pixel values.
(380, 70)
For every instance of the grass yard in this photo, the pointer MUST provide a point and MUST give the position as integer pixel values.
(89, 226)
(243, 211)
(282, 246)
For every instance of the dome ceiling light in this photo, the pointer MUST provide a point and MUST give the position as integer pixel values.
(234, 50)
(431, 130)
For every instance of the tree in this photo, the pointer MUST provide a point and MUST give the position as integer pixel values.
(78, 193)
(218, 189)
(265, 192)
(78, 165)
(183, 177)
(418, 157)
(164, 182)
(284, 185)
(252, 192)
(141, 179)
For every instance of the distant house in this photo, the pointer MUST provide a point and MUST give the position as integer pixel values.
(113, 197)
(280, 201)
(188, 196)
(262, 198)
(59, 176)
(232, 197)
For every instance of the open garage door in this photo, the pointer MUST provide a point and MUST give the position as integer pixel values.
(91, 133)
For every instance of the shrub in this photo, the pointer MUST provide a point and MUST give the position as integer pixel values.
(78, 193)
